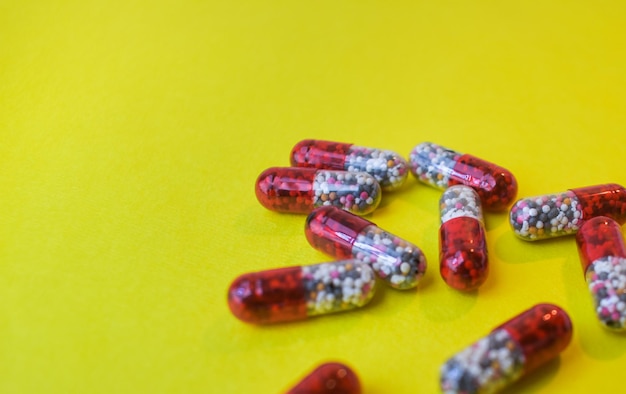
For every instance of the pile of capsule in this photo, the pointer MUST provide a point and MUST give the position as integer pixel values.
(337, 183)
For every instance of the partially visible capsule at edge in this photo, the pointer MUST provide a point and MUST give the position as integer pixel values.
(509, 352)
(463, 257)
(388, 167)
(329, 378)
(343, 235)
(296, 293)
(558, 214)
(602, 254)
(300, 190)
(441, 167)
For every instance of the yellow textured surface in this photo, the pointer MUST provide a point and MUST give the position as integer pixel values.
(132, 133)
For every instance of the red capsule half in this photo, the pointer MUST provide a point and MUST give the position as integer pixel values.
(300, 190)
(296, 293)
(563, 213)
(389, 168)
(343, 235)
(329, 378)
(463, 258)
(602, 252)
(441, 167)
(509, 352)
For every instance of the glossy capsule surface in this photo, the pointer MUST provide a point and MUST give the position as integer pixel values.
(602, 254)
(509, 352)
(441, 167)
(296, 293)
(463, 257)
(300, 190)
(389, 168)
(343, 235)
(563, 213)
(329, 378)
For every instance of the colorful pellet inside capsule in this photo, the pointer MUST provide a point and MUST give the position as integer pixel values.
(558, 214)
(343, 235)
(463, 259)
(300, 190)
(296, 293)
(389, 168)
(602, 253)
(509, 352)
(441, 167)
(329, 378)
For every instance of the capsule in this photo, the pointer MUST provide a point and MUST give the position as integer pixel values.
(346, 236)
(463, 258)
(602, 254)
(329, 378)
(296, 293)
(387, 167)
(300, 190)
(509, 352)
(441, 167)
(558, 214)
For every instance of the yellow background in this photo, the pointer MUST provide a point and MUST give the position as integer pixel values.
(132, 133)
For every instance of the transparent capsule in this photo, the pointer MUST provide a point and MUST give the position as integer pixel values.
(329, 378)
(442, 167)
(602, 253)
(300, 190)
(463, 258)
(387, 167)
(296, 293)
(344, 235)
(558, 214)
(509, 352)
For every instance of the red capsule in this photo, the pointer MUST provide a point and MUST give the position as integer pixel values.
(300, 190)
(563, 213)
(463, 258)
(509, 352)
(343, 235)
(602, 252)
(296, 293)
(329, 378)
(442, 167)
(389, 168)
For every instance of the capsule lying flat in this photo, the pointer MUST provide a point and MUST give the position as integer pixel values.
(329, 378)
(441, 167)
(463, 257)
(300, 190)
(563, 213)
(389, 168)
(343, 235)
(296, 293)
(602, 253)
(509, 352)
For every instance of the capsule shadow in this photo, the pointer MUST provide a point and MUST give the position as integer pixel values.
(535, 380)
(258, 221)
(450, 306)
(507, 248)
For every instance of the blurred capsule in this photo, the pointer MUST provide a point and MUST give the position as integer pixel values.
(509, 352)
(389, 168)
(329, 378)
